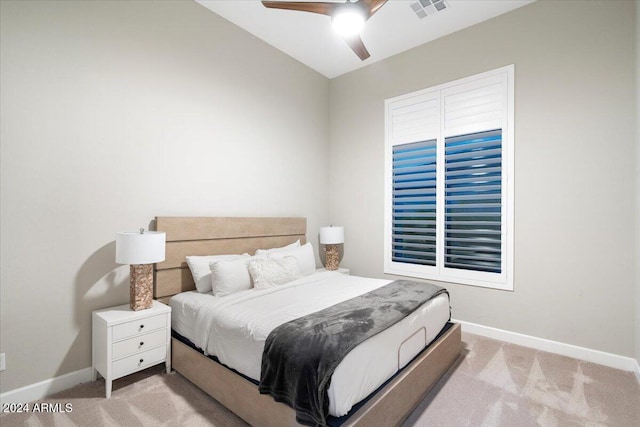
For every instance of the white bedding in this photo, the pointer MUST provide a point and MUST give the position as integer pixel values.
(234, 328)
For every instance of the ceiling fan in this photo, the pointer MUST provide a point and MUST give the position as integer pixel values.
(348, 17)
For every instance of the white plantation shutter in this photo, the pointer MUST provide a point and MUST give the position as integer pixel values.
(473, 201)
(415, 125)
(414, 203)
(416, 119)
(475, 106)
(449, 202)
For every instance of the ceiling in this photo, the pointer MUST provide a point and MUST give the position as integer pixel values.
(309, 38)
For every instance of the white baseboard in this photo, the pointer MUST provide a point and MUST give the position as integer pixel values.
(45, 388)
(582, 353)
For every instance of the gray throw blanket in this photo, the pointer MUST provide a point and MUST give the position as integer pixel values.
(301, 355)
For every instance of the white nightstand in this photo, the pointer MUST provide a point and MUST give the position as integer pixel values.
(339, 270)
(127, 341)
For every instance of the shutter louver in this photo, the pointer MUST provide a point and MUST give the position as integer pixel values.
(469, 108)
(417, 121)
(414, 203)
(473, 201)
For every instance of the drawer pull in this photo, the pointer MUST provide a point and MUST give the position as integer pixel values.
(137, 344)
(141, 326)
(134, 363)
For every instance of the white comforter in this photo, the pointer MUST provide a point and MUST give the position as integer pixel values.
(234, 329)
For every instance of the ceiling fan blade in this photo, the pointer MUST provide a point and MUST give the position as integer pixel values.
(370, 7)
(323, 8)
(373, 6)
(356, 44)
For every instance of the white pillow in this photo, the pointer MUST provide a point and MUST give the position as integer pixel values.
(199, 266)
(284, 248)
(268, 273)
(230, 276)
(305, 256)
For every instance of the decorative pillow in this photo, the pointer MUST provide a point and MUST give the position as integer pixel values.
(268, 273)
(199, 266)
(230, 276)
(305, 256)
(273, 250)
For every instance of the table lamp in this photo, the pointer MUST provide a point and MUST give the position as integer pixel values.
(331, 237)
(140, 250)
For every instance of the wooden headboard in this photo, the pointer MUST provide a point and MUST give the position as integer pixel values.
(214, 236)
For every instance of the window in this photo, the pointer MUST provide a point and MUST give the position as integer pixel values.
(449, 182)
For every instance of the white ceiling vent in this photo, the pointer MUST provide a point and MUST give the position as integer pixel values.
(424, 8)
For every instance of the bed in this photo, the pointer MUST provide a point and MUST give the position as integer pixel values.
(389, 405)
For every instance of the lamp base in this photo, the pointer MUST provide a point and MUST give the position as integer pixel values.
(332, 260)
(141, 286)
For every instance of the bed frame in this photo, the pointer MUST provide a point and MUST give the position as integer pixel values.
(389, 406)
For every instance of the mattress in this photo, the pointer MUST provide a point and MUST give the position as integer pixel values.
(234, 329)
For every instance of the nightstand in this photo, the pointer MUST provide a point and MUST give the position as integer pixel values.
(339, 270)
(126, 341)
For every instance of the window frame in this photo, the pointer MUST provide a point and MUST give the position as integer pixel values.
(503, 280)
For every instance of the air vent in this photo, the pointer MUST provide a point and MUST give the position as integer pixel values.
(424, 8)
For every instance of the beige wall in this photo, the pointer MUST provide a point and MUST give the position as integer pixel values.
(637, 258)
(575, 166)
(113, 113)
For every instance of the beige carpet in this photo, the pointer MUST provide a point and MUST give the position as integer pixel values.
(492, 384)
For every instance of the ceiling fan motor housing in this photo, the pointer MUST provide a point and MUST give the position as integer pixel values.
(348, 17)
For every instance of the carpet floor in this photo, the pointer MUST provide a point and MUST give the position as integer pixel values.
(493, 383)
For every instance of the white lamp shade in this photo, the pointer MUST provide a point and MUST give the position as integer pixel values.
(331, 235)
(140, 248)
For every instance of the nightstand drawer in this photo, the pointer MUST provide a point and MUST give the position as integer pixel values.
(139, 343)
(139, 326)
(139, 361)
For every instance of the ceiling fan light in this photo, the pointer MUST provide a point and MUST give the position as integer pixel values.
(348, 22)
